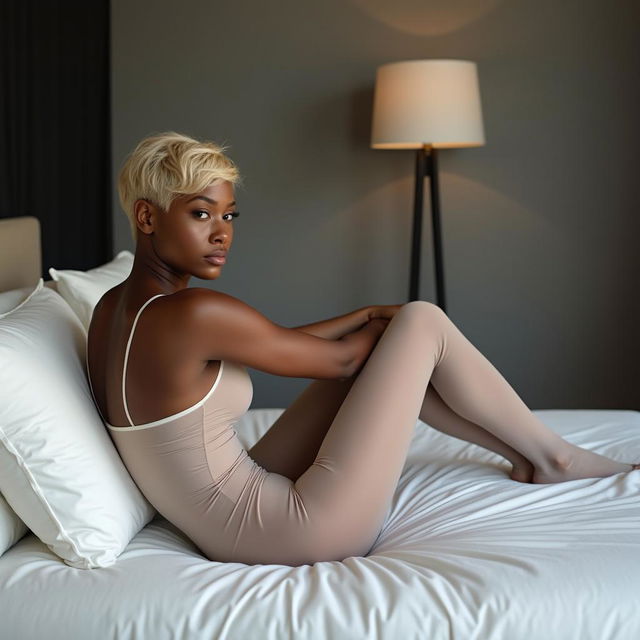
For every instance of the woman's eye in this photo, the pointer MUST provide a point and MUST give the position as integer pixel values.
(233, 214)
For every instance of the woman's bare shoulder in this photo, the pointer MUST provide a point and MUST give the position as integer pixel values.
(202, 294)
(183, 309)
(178, 300)
(199, 300)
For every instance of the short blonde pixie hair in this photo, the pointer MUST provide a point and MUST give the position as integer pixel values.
(166, 165)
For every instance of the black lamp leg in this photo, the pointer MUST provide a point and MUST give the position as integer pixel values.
(437, 235)
(426, 165)
(417, 224)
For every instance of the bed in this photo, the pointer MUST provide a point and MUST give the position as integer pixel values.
(465, 552)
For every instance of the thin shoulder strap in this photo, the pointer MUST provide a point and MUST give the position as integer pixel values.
(126, 356)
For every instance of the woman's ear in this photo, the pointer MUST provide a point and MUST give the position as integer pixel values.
(144, 213)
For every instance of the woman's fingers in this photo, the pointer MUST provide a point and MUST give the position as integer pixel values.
(386, 311)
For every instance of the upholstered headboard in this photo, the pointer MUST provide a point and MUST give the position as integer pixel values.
(21, 253)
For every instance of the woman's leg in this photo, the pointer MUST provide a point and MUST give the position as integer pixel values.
(291, 444)
(439, 415)
(474, 388)
(360, 460)
(346, 493)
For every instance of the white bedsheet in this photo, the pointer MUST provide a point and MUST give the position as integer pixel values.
(465, 553)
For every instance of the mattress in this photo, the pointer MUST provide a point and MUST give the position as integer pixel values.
(465, 553)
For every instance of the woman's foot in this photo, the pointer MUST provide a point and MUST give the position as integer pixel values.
(576, 463)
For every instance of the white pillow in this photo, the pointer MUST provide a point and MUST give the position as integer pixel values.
(83, 289)
(59, 469)
(12, 299)
(11, 527)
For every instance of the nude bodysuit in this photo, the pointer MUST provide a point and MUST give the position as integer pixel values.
(191, 465)
(193, 469)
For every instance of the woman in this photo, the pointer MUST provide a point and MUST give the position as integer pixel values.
(167, 363)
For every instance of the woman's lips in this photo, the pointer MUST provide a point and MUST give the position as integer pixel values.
(215, 259)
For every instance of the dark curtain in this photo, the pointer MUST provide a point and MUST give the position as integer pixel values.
(55, 149)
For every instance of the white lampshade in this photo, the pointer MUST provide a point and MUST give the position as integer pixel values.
(434, 102)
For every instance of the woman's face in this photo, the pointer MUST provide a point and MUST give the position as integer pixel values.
(195, 227)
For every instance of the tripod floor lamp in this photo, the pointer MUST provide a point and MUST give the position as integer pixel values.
(427, 105)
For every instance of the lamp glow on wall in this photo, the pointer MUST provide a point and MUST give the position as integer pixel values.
(427, 105)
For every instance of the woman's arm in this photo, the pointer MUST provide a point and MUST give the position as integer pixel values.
(335, 328)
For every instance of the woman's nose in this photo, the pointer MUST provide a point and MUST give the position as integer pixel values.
(220, 234)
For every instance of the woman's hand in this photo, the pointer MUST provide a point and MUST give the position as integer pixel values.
(386, 311)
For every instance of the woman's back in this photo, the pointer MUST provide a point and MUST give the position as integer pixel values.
(165, 372)
(191, 461)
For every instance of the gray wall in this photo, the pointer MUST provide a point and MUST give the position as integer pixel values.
(540, 226)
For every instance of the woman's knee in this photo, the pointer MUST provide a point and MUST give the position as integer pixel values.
(420, 318)
(425, 304)
(422, 309)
